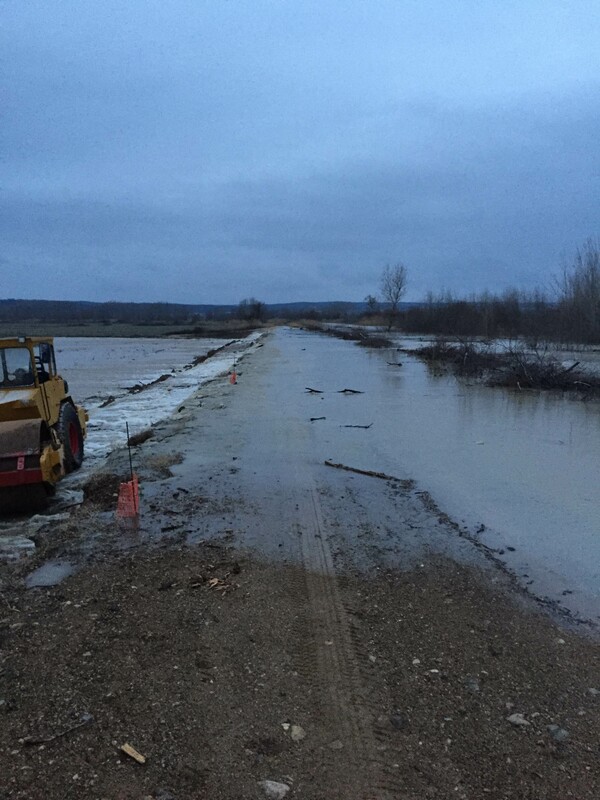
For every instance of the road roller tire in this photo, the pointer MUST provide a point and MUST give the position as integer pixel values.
(71, 437)
(16, 501)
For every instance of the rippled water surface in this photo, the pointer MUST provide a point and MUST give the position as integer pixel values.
(525, 465)
(104, 369)
(98, 367)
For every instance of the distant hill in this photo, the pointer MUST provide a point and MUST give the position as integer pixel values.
(82, 312)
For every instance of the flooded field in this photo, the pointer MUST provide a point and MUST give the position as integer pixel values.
(100, 373)
(98, 367)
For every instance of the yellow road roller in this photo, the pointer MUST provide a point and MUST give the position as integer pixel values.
(41, 429)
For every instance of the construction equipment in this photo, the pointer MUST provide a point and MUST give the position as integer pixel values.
(41, 429)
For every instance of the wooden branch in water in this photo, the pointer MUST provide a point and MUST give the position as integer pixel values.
(365, 427)
(313, 391)
(315, 419)
(349, 391)
(368, 472)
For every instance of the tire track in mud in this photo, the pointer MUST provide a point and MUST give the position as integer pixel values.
(342, 684)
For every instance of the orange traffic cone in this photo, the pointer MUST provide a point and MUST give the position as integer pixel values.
(128, 503)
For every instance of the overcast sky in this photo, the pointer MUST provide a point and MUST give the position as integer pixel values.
(206, 150)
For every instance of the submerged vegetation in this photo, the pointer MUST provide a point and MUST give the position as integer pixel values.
(516, 367)
(362, 337)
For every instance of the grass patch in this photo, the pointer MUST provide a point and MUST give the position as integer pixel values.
(141, 437)
(161, 464)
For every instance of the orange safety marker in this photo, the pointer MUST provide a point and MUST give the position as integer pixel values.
(233, 378)
(128, 503)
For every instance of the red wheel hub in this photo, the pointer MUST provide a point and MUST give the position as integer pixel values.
(73, 439)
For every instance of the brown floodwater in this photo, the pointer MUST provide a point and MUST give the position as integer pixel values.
(521, 470)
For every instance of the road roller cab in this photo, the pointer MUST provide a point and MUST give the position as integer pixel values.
(41, 429)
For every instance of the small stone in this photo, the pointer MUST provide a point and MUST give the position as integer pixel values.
(163, 794)
(274, 790)
(472, 683)
(336, 745)
(372, 659)
(594, 692)
(416, 662)
(518, 720)
(557, 733)
(399, 721)
(297, 733)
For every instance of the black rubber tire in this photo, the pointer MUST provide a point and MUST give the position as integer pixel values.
(71, 436)
(16, 501)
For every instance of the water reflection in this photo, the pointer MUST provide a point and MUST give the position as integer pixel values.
(526, 465)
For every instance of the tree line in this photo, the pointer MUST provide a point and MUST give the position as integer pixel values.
(67, 312)
(568, 312)
(76, 312)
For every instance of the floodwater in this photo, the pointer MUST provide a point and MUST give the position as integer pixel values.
(97, 369)
(100, 369)
(520, 469)
(49, 574)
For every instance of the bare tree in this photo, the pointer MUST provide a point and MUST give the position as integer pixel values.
(372, 304)
(579, 298)
(251, 309)
(393, 287)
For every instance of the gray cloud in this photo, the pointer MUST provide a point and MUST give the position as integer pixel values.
(202, 152)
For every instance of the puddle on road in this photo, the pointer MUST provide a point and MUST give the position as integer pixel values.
(49, 574)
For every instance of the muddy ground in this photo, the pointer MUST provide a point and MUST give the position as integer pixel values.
(275, 619)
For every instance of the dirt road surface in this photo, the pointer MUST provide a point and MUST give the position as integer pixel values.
(277, 627)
